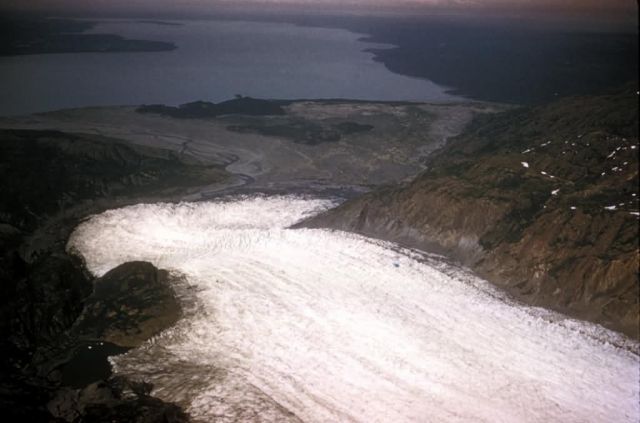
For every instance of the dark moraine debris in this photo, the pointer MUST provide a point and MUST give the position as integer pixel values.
(348, 128)
(302, 131)
(202, 109)
(117, 400)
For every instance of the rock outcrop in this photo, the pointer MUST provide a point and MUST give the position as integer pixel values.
(543, 202)
(49, 181)
(129, 305)
(116, 400)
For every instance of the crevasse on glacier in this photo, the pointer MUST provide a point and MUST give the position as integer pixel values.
(326, 326)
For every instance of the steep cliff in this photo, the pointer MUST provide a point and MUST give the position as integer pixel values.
(541, 201)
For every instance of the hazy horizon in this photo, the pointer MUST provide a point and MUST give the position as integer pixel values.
(613, 12)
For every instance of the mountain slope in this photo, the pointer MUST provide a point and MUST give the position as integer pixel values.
(49, 181)
(543, 202)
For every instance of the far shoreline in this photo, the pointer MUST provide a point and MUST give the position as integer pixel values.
(54, 35)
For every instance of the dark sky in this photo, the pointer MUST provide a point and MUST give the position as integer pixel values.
(624, 10)
(577, 5)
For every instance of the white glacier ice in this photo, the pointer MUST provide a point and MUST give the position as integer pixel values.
(323, 326)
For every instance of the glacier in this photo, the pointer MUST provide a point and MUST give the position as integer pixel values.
(316, 325)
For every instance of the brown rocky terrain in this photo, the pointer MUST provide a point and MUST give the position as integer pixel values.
(129, 305)
(541, 201)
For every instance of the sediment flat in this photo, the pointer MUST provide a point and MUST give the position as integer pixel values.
(398, 138)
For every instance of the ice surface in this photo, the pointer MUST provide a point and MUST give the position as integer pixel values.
(323, 326)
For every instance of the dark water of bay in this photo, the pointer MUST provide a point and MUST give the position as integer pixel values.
(214, 61)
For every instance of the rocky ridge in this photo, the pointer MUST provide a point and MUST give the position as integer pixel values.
(541, 201)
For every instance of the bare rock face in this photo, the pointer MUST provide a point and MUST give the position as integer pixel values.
(543, 202)
(50, 180)
(115, 400)
(129, 305)
(42, 287)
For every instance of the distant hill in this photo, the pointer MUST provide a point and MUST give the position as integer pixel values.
(36, 35)
(204, 109)
(541, 201)
(497, 60)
